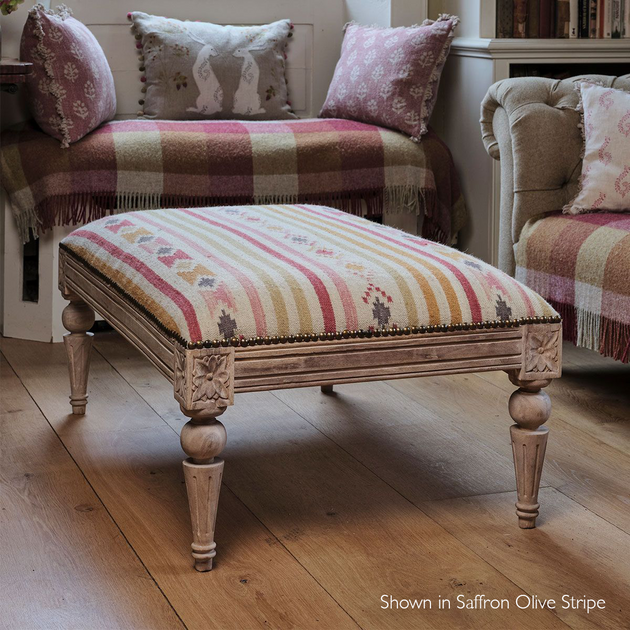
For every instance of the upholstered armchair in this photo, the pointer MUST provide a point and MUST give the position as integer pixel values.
(581, 264)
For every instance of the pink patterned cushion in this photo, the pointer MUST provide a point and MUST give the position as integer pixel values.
(390, 76)
(605, 179)
(71, 89)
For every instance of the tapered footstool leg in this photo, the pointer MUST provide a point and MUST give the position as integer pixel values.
(203, 438)
(204, 387)
(530, 408)
(78, 318)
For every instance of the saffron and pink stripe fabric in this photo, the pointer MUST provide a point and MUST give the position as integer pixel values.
(147, 164)
(581, 265)
(216, 273)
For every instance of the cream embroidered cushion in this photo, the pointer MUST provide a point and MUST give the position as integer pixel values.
(292, 272)
(605, 179)
(197, 70)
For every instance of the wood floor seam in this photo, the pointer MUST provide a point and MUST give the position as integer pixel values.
(418, 507)
(96, 494)
(575, 500)
(483, 494)
(332, 597)
(387, 483)
(95, 349)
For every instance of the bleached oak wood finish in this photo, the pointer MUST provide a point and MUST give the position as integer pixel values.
(206, 379)
(202, 439)
(78, 318)
(529, 407)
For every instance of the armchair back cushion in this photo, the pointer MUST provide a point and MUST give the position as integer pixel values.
(605, 179)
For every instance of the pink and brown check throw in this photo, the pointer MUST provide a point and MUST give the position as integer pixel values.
(145, 164)
(581, 266)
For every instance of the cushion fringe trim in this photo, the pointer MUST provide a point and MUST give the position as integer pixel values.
(54, 89)
(436, 73)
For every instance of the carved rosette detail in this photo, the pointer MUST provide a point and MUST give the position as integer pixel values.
(211, 380)
(203, 379)
(542, 352)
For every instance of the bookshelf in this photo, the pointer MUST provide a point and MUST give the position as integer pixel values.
(478, 58)
(563, 18)
(487, 10)
(565, 55)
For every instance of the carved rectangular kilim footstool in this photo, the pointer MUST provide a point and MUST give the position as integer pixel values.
(251, 298)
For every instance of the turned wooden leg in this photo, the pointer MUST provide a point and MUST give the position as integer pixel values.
(203, 381)
(530, 408)
(78, 318)
(203, 438)
(327, 389)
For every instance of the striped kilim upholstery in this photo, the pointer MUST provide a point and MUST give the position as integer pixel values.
(292, 271)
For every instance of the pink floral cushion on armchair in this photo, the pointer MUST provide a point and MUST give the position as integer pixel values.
(71, 89)
(605, 179)
(390, 76)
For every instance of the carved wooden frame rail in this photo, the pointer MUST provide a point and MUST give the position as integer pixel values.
(205, 380)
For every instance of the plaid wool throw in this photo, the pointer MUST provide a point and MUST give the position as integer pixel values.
(580, 265)
(145, 164)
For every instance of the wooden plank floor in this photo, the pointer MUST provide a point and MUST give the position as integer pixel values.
(402, 488)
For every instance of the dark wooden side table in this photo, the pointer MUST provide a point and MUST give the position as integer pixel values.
(12, 73)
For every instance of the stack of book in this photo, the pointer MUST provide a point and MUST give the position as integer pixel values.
(563, 18)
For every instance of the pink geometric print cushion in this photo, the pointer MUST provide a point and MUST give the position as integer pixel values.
(71, 89)
(390, 76)
(605, 179)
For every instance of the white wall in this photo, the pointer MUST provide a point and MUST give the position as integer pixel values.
(368, 11)
(478, 16)
(386, 12)
(464, 84)
(12, 26)
(12, 106)
(467, 10)
(465, 81)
